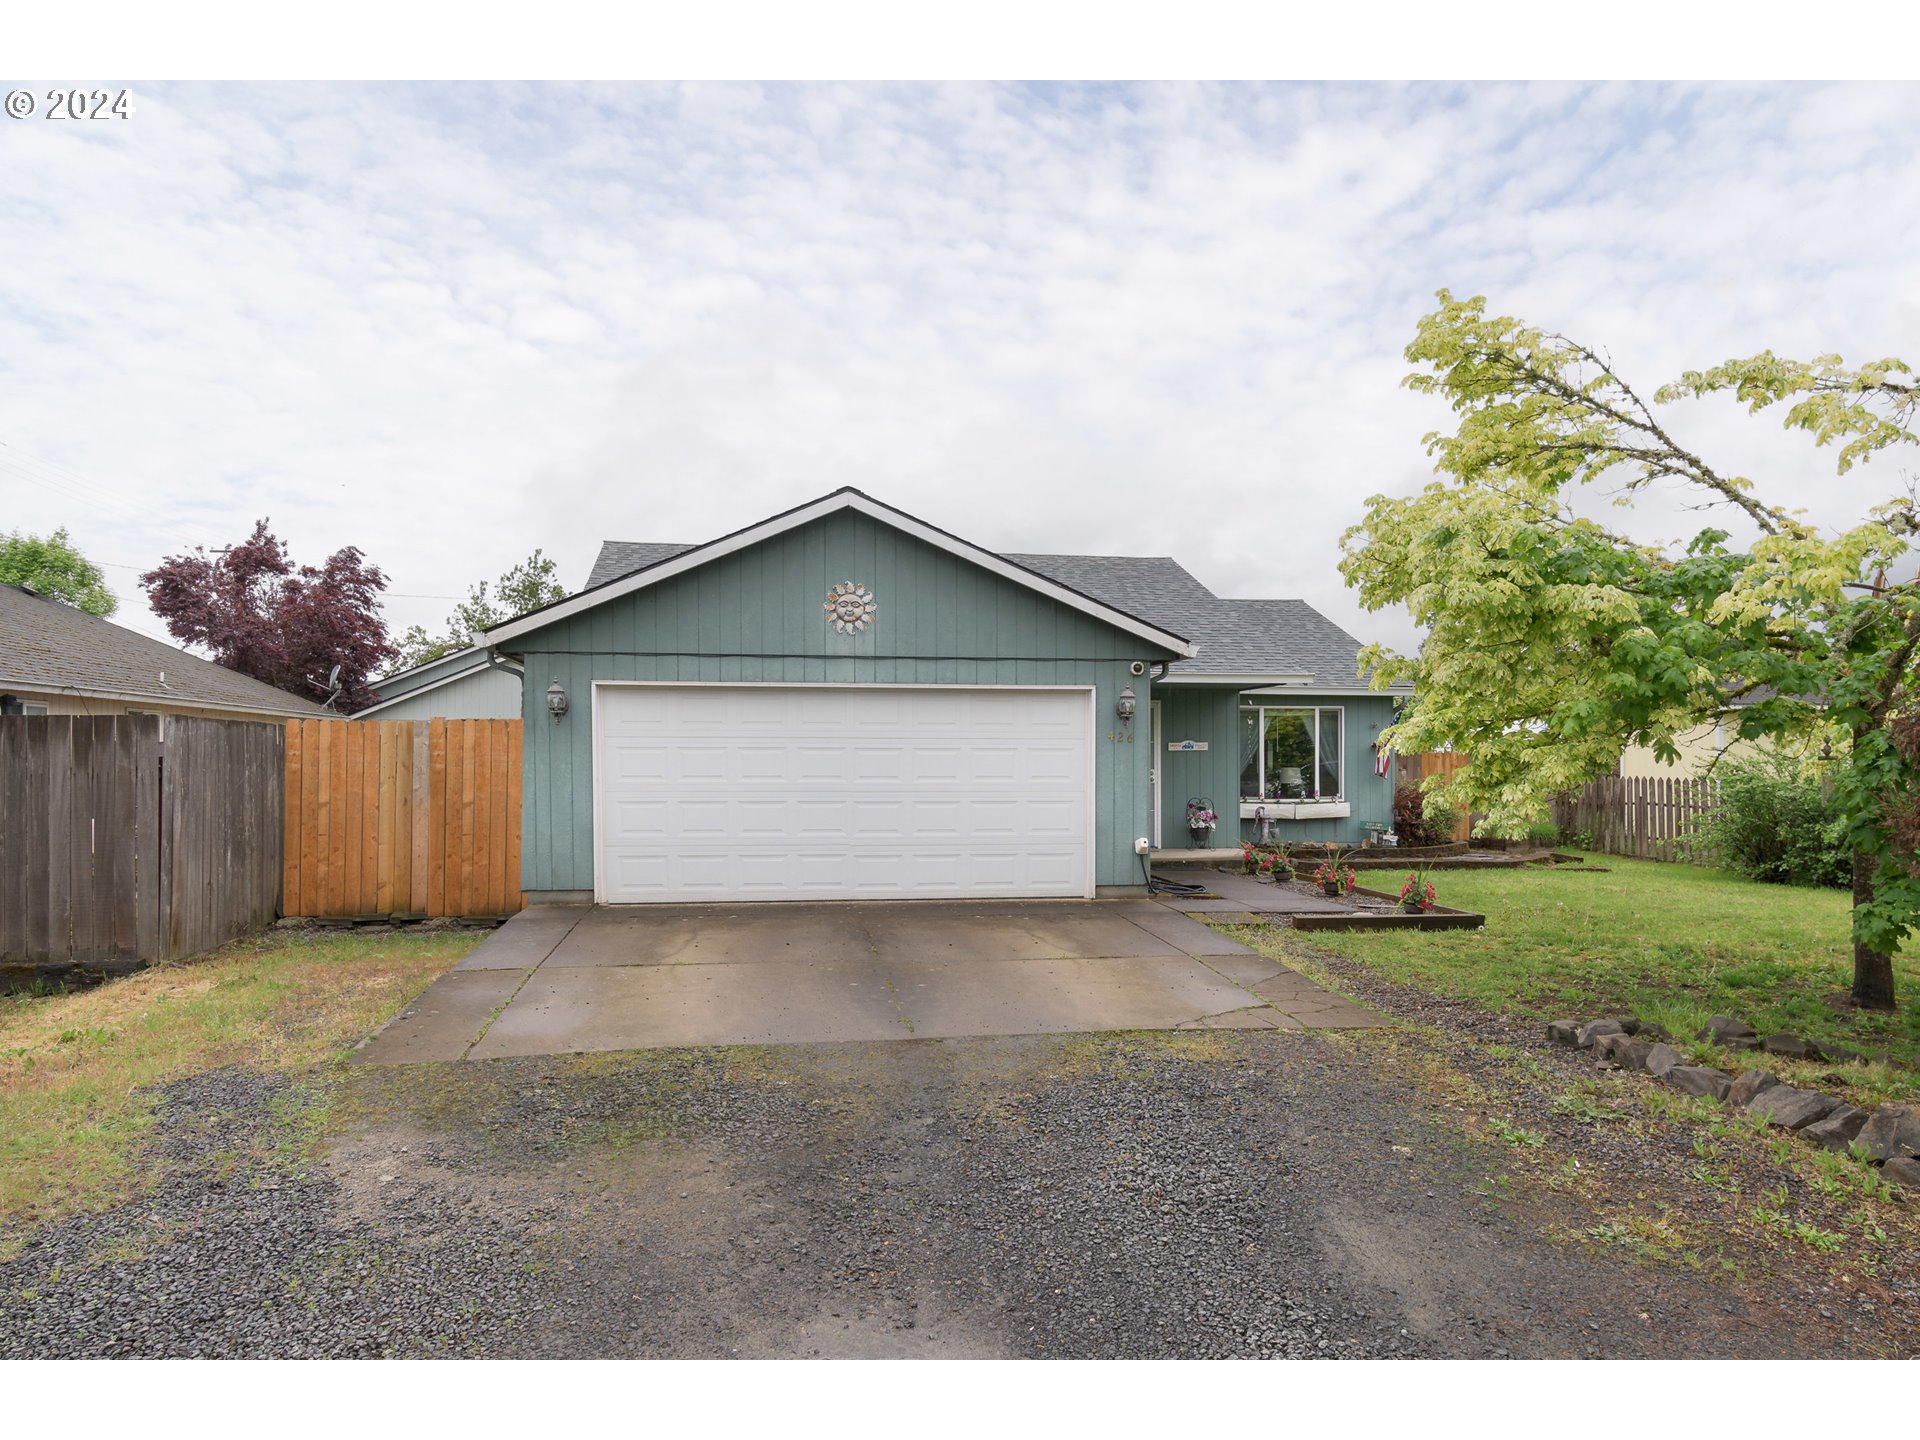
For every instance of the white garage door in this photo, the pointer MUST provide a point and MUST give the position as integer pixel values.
(818, 793)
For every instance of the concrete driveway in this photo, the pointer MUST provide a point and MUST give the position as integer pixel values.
(560, 980)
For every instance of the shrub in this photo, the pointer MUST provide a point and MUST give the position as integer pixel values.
(1423, 817)
(1773, 823)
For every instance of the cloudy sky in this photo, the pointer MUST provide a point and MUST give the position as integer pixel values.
(449, 324)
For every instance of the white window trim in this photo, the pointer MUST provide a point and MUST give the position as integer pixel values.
(1312, 806)
(1296, 809)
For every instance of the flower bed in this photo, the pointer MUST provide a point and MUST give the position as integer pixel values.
(1389, 916)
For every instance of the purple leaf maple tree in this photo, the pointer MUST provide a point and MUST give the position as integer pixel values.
(253, 610)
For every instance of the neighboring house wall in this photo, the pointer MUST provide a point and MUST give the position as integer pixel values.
(489, 693)
(757, 616)
(1213, 716)
(1697, 751)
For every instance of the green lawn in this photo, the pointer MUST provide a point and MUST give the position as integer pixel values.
(1672, 943)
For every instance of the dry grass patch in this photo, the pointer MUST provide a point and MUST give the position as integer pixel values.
(76, 1071)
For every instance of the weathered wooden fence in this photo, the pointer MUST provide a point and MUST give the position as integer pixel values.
(1649, 817)
(126, 839)
(1439, 762)
(402, 817)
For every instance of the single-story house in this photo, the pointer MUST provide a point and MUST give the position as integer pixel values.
(846, 702)
(56, 659)
(473, 684)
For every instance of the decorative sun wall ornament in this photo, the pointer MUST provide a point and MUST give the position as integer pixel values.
(850, 607)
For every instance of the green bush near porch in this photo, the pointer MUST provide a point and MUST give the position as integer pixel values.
(1673, 943)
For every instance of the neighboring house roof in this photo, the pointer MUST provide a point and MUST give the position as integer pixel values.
(50, 646)
(846, 498)
(623, 557)
(457, 665)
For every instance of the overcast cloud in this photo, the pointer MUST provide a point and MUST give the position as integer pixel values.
(449, 324)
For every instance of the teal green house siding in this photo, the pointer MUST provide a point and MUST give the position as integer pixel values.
(1213, 716)
(757, 616)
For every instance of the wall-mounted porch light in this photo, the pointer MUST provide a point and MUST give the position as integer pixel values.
(1126, 704)
(556, 700)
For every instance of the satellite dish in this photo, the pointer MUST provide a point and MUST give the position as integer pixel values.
(332, 688)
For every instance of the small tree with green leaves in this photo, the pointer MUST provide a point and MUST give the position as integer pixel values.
(527, 586)
(54, 566)
(1553, 640)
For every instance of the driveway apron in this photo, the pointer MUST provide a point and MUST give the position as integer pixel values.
(561, 980)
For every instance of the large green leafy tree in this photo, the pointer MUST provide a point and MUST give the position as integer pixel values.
(527, 586)
(53, 566)
(1553, 639)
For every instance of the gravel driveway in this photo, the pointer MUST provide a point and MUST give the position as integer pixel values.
(1221, 1194)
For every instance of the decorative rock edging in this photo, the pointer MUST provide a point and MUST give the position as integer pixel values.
(1888, 1137)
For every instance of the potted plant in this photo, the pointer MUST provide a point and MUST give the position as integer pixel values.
(1417, 896)
(1277, 867)
(1201, 821)
(1333, 878)
(1252, 862)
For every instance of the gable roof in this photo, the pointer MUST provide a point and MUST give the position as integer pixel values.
(846, 498)
(50, 646)
(1251, 642)
(418, 679)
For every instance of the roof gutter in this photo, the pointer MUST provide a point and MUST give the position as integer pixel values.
(1298, 680)
(137, 697)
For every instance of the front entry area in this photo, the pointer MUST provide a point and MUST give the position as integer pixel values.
(841, 792)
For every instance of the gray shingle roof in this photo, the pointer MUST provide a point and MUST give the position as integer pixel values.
(46, 645)
(623, 557)
(1234, 637)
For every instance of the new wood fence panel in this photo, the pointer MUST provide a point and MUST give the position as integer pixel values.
(437, 818)
(424, 817)
(1445, 763)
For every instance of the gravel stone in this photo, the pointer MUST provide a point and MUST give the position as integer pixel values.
(1233, 1194)
(216, 1264)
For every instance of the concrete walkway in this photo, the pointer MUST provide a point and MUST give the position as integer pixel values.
(561, 980)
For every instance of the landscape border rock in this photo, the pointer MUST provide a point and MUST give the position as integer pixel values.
(1888, 1137)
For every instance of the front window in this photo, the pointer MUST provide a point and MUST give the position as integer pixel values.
(1291, 753)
